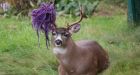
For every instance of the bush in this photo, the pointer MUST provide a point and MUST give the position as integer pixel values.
(121, 3)
(22, 7)
(72, 6)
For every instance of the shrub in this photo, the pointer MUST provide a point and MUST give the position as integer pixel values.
(121, 3)
(66, 6)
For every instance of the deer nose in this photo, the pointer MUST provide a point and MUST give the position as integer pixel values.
(58, 42)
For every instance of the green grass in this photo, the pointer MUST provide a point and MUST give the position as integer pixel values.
(20, 55)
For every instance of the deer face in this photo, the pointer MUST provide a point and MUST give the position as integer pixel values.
(60, 36)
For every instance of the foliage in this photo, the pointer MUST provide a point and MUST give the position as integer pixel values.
(19, 54)
(21, 7)
(121, 3)
(65, 6)
(43, 19)
(72, 6)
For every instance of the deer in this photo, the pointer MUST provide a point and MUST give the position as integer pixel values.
(85, 57)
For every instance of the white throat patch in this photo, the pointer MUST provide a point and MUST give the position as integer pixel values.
(58, 50)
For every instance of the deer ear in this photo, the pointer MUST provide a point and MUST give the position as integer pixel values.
(74, 28)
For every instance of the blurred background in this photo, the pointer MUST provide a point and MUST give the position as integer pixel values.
(109, 22)
(23, 7)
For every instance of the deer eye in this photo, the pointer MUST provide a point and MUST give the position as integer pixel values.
(53, 33)
(66, 34)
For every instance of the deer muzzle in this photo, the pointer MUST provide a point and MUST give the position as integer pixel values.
(58, 42)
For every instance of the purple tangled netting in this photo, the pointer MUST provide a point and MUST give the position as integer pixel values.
(43, 19)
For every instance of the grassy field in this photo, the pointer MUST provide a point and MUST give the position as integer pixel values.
(20, 55)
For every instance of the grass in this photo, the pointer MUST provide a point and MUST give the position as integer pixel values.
(20, 55)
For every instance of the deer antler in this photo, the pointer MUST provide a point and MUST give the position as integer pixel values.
(52, 1)
(81, 18)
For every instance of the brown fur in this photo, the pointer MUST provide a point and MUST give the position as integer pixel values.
(82, 58)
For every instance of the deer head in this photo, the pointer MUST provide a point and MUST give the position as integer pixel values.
(60, 36)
